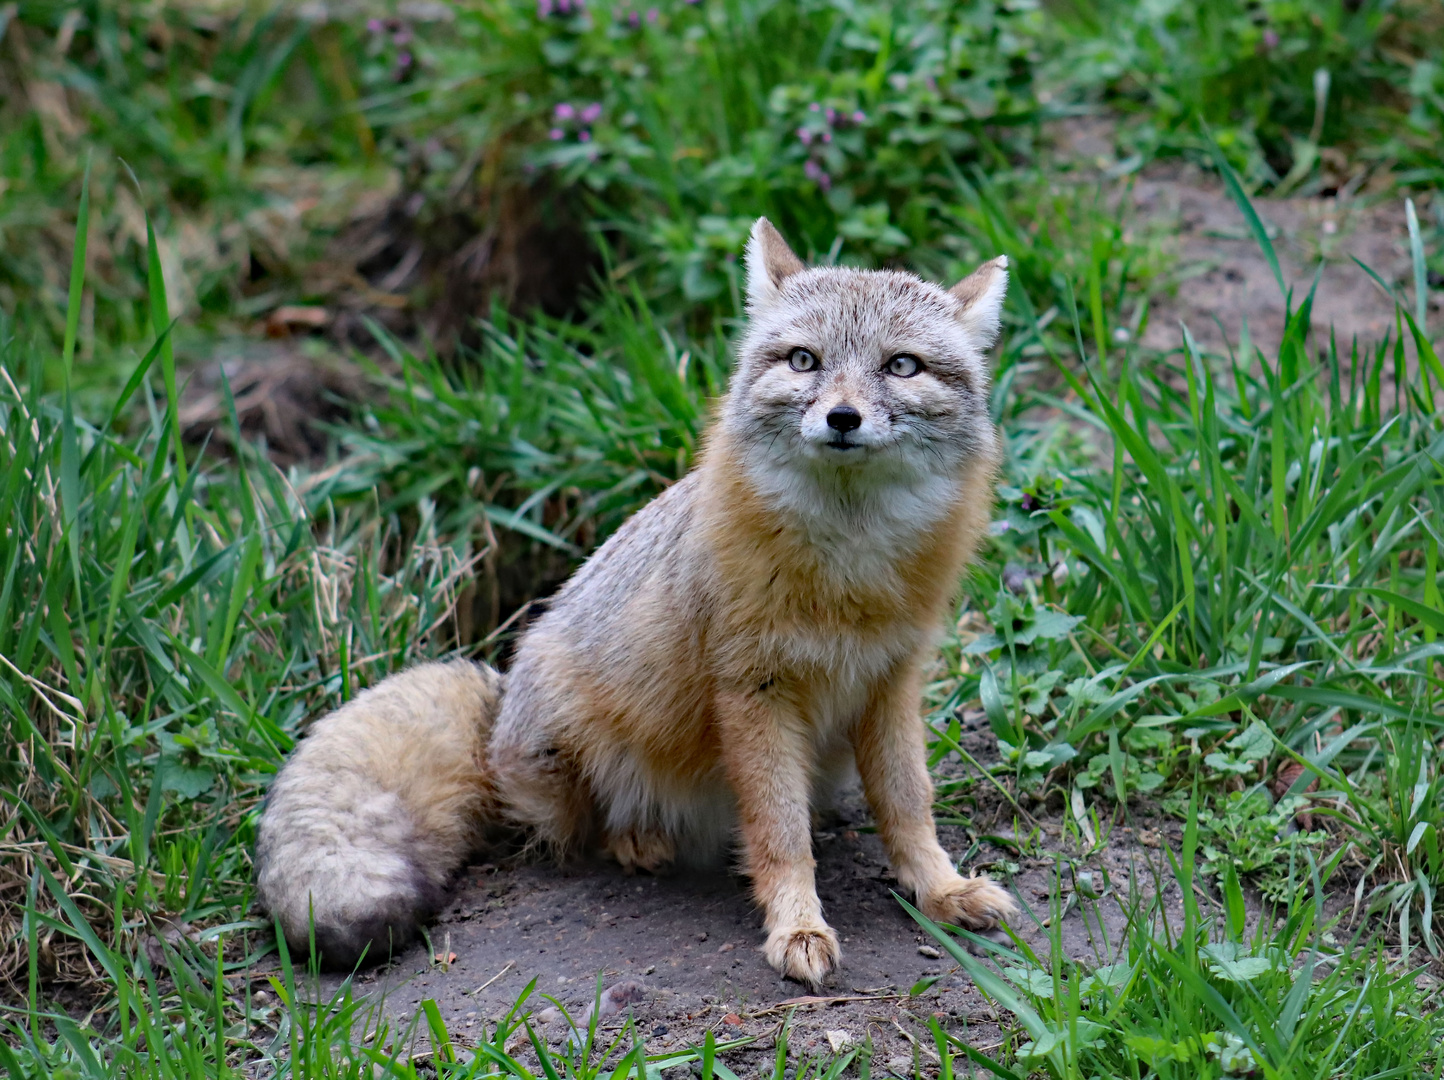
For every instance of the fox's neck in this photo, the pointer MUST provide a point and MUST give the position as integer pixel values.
(885, 527)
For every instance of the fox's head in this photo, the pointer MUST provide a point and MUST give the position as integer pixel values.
(861, 372)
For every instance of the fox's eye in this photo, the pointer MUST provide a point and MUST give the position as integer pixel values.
(801, 360)
(904, 366)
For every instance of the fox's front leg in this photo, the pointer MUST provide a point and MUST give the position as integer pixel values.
(892, 759)
(768, 763)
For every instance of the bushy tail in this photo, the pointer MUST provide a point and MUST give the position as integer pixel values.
(377, 808)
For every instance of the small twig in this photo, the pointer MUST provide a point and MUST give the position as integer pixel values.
(509, 965)
(40, 689)
(989, 777)
(794, 1003)
(916, 1045)
(513, 617)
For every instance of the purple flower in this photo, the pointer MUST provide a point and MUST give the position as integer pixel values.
(1271, 38)
(804, 136)
(402, 35)
(564, 111)
(403, 61)
(374, 26)
(592, 112)
(815, 173)
(859, 117)
(557, 134)
(652, 15)
(584, 135)
(814, 107)
(827, 136)
(633, 19)
(831, 115)
(543, 9)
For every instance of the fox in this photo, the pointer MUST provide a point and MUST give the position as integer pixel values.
(752, 638)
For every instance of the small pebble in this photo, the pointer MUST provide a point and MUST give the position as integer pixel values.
(930, 952)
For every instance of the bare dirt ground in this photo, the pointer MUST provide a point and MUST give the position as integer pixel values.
(1220, 276)
(691, 945)
(1223, 277)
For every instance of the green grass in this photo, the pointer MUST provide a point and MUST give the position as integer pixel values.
(1202, 995)
(1205, 567)
(170, 623)
(1305, 96)
(256, 134)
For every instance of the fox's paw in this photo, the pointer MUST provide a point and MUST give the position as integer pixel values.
(634, 850)
(806, 955)
(975, 903)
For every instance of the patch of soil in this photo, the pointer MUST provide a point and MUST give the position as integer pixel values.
(430, 268)
(1222, 277)
(284, 392)
(693, 940)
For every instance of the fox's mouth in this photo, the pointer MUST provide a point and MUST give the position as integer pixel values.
(842, 444)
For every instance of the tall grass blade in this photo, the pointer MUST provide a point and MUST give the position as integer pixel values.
(77, 272)
(1235, 191)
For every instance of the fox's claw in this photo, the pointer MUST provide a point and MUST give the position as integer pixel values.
(806, 955)
(975, 903)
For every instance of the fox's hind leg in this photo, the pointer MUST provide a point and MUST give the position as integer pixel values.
(892, 758)
(641, 849)
(541, 788)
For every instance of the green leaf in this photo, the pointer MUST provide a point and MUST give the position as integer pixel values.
(992, 699)
(1049, 625)
(987, 981)
(187, 781)
(1246, 969)
(1425, 614)
(1237, 913)
(1420, 831)
(923, 985)
(1253, 743)
(1421, 271)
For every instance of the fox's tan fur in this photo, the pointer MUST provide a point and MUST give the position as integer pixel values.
(714, 669)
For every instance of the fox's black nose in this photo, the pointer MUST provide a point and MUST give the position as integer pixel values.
(844, 418)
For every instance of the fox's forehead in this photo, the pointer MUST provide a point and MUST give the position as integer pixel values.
(848, 310)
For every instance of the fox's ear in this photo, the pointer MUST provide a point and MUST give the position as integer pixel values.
(981, 294)
(769, 262)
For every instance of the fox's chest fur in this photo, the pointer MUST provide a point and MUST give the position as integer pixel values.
(830, 592)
